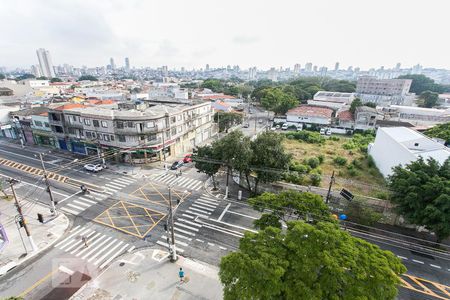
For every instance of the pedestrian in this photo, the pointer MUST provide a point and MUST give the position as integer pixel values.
(181, 274)
(84, 239)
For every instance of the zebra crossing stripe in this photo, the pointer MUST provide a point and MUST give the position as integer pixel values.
(76, 207)
(183, 231)
(196, 213)
(165, 245)
(91, 245)
(186, 226)
(98, 246)
(82, 203)
(112, 257)
(199, 210)
(124, 180)
(188, 216)
(70, 211)
(209, 200)
(182, 236)
(203, 207)
(176, 241)
(82, 245)
(112, 187)
(108, 253)
(103, 249)
(70, 236)
(80, 242)
(191, 223)
(75, 228)
(121, 185)
(208, 204)
(84, 231)
(87, 200)
(197, 186)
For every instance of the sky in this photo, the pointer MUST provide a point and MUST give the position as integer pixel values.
(193, 33)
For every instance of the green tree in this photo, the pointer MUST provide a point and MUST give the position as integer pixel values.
(355, 103)
(289, 205)
(428, 99)
(441, 131)
(370, 104)
(278, 101)
(314, 262)
(421, 191)
(25, 76)
(204, 160)
(421, 83)
(227, 120)
(214, 85)
(87, 77)
(42, 78)
(357, 211)
(55, 79)
(269, 158)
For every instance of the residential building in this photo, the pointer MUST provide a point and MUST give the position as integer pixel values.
(127, 64)
(36, 71)
(112, 64)
(310, 115)
(365, 118)
(395, 146)
(6, 91)
(336, 67)
(384, 91)
(45, 63)
(416, 115)
(345, 119)
(221, 106)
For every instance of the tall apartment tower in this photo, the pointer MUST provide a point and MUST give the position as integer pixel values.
(45, 63)
(127, 64)
(112, 64)
(308, 67)
(207, 67)
(336, 66)
(36, 71)
(297, 68)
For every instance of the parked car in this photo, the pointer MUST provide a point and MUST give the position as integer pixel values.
(93, 168)
(277, 127)
(260, 121)
(322, 130)
(246, 125)
(328, 132)
(285, 126)
(187, 158)
(176, 165)
(273, 128)
(299, 127)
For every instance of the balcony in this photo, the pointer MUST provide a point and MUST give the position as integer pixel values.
(135, 130)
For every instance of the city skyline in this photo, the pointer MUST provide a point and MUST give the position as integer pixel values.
(192, 35)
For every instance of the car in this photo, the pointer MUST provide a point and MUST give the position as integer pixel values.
(187, 158)
(176, 165)
(93, 168)
(322, 130)
(273, 128)
(285, 126)
(328, 132)
(260, 121)
(277, 127)
(246, 125)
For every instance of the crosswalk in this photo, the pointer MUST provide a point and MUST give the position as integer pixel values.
(185, 226)
(83, 202)
(101, 249)
(184, 181)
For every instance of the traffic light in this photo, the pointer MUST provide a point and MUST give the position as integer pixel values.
(21, 223)
(40, 218)
(346, 194)
(165, 227)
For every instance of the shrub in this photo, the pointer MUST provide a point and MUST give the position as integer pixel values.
(300, 168)
(339, 160)
(370, 162)
(321, 158)
(357, 163)
(359, 212)
(381, 195)
(290, 137)
(313, 162)
(315, 179)
(294, 177)
(334, 138)
(352, 172)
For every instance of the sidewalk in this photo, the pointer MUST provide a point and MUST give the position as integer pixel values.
(148, 274)
(44, 235)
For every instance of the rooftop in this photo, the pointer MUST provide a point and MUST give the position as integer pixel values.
(366, 109)
(311, 111)
(345, 115)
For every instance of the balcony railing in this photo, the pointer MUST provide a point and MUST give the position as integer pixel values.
(135, 130)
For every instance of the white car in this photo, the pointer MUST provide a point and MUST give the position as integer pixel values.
(93, 168)
(328, 132)
(322, 130)
(285, 126)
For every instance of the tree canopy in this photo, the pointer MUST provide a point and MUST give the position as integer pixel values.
(276, 100)
(55, 79)
(428, 99)
(227, 120)
(318, 262)
(421, 83)
(201, 157)
(289, 205)
(87, 77)
(355, 103)
(25, 76)
(421, 191)
(441, 131)
(2, 76)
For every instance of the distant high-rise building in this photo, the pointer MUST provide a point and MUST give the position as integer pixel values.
(207, 67)
(357, 69)
(45, 63)
(164, 71)
(350, 68)
(308, 67)
(252, 73)
(36, 71)
(127, 64)
(112, 64)
(397, 66)
(315, 68)
(297, 68)
(336, 66)
(183, 69)
(323, 71)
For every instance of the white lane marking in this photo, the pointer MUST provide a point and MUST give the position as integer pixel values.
(131, 249)
(165, 245)
(196, 213)
(435, 266)
(209, 201)
(176, 241)
(80, 242)
(124, 181)
(186, 226)
(90, 245)
(223, 248)
(66, 270)
(188, 216)
(190, 222)
(418, 261)
(197, 186)
(70, 211)
(182, 236)
(205, 203)
(199, 210)
(184, 231)
(203, 207)
(224, 212)
(36, 186)
(82, 203)
(112, 257)
(88, 200)
(109, 193)
(98, 246)
(199, 240)
(108, 253)
(95, 175)
(68, 197)
(76, 207)
(70, 236)
(402, 257)
(242, 215)
(211, 244)
(183, 180)
(120, 185)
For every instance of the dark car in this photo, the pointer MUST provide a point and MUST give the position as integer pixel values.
(176, 165)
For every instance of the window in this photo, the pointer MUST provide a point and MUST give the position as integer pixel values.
(172, 120)
(142, 137)
(38, 123)
(93, 135)
(87, 122)
(96, 123)
(104, 124)
(122, 138)
(111, 137)
(151, 137)
(119, 124)
(74, 118)
(180, 129)
(106, 137)
(150, 124)
(174, 131)
(100, 137)
(130, 124)
(88, 134)
(179, 117)
(46, 124)
(71, 130)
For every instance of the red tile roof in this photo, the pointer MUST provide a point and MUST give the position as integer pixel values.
(213, 97)
(345, 115)
(70, 106)
(311, 111)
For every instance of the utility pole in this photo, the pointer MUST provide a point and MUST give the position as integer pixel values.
(329, 188)
(228, 176)
(49, 190)
(173, 247)
(19, 210)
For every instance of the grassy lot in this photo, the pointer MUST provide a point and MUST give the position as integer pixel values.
(353, 170)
